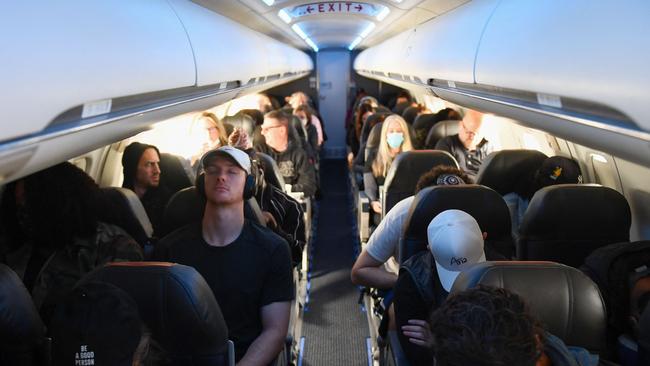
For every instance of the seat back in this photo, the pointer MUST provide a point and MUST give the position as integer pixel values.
(439, 131)
(22, 333)
(173, 174)
(405, 171)
(644, 337)
(177, 305)
(566, 222)
(484, 204)
(503, 170)
(374, 139)
(566, 301)
(421, 126)
(187, 206)
(272, 174)
(122, 207)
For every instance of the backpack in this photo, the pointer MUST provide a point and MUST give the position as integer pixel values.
(615, 268)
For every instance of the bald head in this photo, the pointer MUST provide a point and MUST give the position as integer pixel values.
(469, 129)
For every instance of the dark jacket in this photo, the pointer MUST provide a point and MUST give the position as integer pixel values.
(468, 160)
(295, 168)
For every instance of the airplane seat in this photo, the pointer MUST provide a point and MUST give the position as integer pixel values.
(482, 203)
(186, 206)
(174, 172)
(405, 171)
(644, 337)
(566, 222)
(439, 131)
(421, 126)
(272, 174)
(372, 144)
(502, 170)
(178, 306)
(122, 207)
(22, 333)
(565, 300)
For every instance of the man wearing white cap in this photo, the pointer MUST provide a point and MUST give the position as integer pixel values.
(247, 266)
(455, 244)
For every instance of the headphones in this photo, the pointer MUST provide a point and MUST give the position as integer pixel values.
(249, 186)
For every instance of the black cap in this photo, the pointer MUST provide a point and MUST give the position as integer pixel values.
(96, 324)
(558, 170)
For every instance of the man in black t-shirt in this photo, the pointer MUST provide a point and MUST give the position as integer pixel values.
(248, 267)
(468, 146)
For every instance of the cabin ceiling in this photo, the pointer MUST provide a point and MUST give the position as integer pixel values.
(331, 24)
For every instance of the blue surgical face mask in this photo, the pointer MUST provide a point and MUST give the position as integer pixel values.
(395, 139)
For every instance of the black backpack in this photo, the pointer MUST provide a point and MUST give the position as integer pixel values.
(615, 268)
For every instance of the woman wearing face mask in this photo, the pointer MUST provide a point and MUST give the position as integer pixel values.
(395, 138)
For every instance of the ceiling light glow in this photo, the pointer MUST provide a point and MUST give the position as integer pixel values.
(284, 16)
(354, 43)
(383, 14)
(311, 44)
(269, 2)
(296, 28)
(367, 31)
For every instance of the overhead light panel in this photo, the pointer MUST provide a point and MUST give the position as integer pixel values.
(311, 44)
(284, 16)
(354, 43)
(269, 2)
(296, 28)
(383, 14)
(367, 31)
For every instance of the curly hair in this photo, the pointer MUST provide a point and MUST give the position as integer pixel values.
(430, 178)
(61, 203)
(485, 326)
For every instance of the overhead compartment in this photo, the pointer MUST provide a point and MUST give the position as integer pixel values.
(442, 48)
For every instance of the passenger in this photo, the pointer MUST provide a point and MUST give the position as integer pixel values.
(468, 146)
(247, 266)
(294, 164)
(211, 134)
(377, 265)
(425, 279)
(99, 324)
(282, 213)
(487, 326)
(141, 168)
(402, 101)
(554, 170)
(395, 138)
(354, 134)
(423, 126)
(264, 103)
(411, 112)
(299, 98)
(304, 113)
(53, 234)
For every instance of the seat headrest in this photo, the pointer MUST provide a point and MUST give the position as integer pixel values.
(502, 170)
(126, 210)
(175, 303)
(272, 174)
(406, 169)
(440, 130)
(21, 328)
(374, 138)
(184, 207)
(566, 301)
(577, 212)
(173, 174)
(424, 120)
(484, 204)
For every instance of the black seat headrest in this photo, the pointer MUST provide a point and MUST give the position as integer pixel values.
(172, 173)
(177, 305)
(439, 131)
(502, 170)
(22, 332)
(122, 207)
(374, 138)
(186, 206)
(566, 301)
(406, 169)
(424, 121)
(484, 204)
(272, 174)
(565, 222)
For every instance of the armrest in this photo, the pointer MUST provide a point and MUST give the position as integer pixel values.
(363, 219)
(382, 200)
(395, 351)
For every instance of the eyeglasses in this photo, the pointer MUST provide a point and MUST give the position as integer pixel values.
(266, 129)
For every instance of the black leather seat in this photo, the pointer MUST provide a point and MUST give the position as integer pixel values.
(421, 126)
(644, 337)
(172, 173)
(439, 131)
(503, 170)
(272, 174)
(22, 333)
(405, 171)
(122, 207)
(186, 206)
(566, 222)
(483, 203)
(372, 144)
(177, 305)
(566, 301)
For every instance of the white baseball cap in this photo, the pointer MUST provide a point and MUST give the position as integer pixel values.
(241, 158)
(456, 242)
